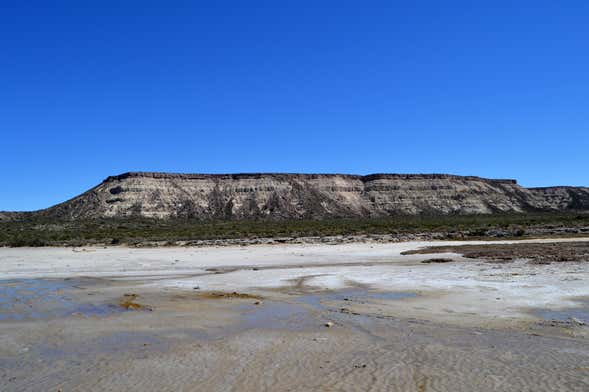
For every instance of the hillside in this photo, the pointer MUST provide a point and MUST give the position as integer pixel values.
(307, 196)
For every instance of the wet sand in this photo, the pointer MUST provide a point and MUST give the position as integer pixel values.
(352, 317)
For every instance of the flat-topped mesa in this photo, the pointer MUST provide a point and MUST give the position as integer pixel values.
(364, 178)
(307, 196)
(433, 176)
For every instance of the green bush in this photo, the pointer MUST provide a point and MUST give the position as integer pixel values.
(42, 232)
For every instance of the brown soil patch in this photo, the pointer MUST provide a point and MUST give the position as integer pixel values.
(536, 253)
(128, 302)
(235, 294)
(436, 260)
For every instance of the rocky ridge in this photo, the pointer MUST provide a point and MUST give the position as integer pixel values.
(308, 196)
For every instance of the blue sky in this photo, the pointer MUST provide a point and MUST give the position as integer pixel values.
(496, 89)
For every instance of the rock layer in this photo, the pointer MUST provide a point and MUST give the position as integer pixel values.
(309, 196)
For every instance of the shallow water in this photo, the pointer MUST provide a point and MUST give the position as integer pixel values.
(276, 315)
(299, 313)
(22, 299)
(108, 344)
(352, 295)
(580, 313)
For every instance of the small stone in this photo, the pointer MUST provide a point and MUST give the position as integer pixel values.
(258, 303)
(577, 321)
(329, 324)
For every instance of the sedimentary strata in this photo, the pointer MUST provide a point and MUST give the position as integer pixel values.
(309, 196)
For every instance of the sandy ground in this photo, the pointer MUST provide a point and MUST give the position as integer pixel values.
(394, 323)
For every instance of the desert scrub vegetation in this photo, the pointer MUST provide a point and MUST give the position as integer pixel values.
(44, 232)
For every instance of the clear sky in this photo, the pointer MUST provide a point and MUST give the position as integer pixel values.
(488, 88)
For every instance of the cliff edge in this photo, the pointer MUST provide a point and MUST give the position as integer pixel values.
(309, 196)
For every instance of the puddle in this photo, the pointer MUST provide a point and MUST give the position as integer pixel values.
(276, 315)
(22, 299)
(110, 344)
(565, 315)
(581, 314)
(300, 312)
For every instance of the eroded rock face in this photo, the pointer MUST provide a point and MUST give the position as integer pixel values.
(9, 216)
(311, 196)
(564, 197)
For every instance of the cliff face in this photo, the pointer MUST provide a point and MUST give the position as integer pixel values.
(564, 197)
(311, 196)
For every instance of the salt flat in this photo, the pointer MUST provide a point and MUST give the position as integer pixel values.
(485, 289)
(254, 318)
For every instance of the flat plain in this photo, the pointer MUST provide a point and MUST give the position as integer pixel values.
(296, 317)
